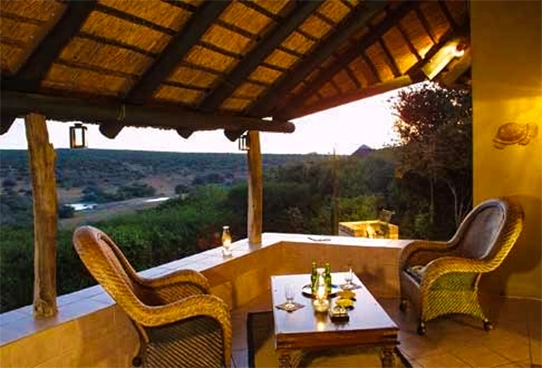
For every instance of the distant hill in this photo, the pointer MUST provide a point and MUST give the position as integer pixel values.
(77, 170)
(363, 151)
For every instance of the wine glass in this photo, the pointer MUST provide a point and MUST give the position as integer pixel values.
(289, 293)
(349, 275)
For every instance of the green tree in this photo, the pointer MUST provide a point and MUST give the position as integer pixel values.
(435, 131)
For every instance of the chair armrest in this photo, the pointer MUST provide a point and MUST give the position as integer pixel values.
(176, 279)
(445, 265)
(421, 252)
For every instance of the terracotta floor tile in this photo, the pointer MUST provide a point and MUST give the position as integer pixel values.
(480, 356)
(446, 360)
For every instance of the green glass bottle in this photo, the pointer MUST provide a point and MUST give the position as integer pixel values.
(327, 278)
(314, 278)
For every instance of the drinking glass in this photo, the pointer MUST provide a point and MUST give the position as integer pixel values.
(289, 293)
(348, 278)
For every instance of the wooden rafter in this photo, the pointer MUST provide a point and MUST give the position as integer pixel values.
(352, 76)
(346, 58)
(260, 52)
(390, 59)
(134, 19)
(447, 14)
(371, 65)
(425, 23)
(356, 21)
(416, 69)
(409, 44)
(70, 109)
(177, 48)
(116, 43)
(38, 63)
(342, 99)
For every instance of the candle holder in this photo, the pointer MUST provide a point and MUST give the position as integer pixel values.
(226, 241)
(321, 302)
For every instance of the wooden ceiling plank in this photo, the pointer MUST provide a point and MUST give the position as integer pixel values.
(177, 48)
(356, 21)
(258, 54)
(447, 14)
(40, 60)
(392, 18)
(389, 58)
(423, 20)
(70, 109)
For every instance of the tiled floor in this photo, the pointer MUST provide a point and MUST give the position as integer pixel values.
(455, 341)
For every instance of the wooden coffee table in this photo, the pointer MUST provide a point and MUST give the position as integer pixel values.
(369, 324)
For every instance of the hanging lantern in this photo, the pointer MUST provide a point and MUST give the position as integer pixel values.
(78, 136)
(244, 142)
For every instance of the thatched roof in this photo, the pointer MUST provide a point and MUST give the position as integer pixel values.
(191, 64)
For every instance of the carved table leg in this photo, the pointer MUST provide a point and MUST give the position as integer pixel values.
(289, 358)
(387, 357)
(284, 359)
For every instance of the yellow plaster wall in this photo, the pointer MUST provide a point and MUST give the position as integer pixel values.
(507, 87)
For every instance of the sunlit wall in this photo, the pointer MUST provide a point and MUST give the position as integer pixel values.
(507, 159)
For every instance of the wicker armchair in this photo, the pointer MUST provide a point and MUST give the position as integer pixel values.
(179, 323)
(440, 278)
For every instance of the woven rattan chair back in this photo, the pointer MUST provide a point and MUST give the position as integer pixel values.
(178, 322)
(480, 230)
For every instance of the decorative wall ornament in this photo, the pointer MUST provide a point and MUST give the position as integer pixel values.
(514, 133)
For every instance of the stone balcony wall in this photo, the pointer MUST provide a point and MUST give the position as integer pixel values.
(91, 330)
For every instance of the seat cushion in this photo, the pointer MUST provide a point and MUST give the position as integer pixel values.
(416, 272)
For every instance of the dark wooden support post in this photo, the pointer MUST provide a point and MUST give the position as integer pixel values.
(255, 189)
(42, 168)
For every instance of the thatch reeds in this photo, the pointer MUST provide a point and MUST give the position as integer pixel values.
(114, 48)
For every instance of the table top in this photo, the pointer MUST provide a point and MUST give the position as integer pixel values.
(368, 322)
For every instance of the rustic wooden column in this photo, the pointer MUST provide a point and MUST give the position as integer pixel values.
(255, 189)
(42, 168)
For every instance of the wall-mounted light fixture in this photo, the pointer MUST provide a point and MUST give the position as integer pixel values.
(244, 142)
(78, 136)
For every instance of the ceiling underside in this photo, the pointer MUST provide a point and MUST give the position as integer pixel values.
(198, 65)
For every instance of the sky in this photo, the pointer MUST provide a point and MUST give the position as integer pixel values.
(342, 129)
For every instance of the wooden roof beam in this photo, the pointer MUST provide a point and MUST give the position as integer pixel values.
(36, 66)
(260, 52)
(47, 51)
(416, 70)
(72, 109)
(356, 50)
(177, 48)
(359, 17)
